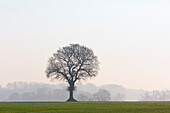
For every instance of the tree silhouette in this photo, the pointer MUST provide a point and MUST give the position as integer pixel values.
(72, 63)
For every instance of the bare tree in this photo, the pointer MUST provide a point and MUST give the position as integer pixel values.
(102, 95)
(72, 63)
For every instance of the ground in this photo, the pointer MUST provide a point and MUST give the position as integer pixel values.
(85, 107)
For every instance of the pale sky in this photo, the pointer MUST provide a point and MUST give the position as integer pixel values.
(130, 37)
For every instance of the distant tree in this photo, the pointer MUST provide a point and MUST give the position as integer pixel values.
(84, 96)
(72, 63)
(59, 94)
(29, 96)
(156, 95)
(118, 96)
(102, 95)
(14, 96)
(165, 95)
(151, 95)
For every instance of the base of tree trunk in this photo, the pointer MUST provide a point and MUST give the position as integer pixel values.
(71, 100)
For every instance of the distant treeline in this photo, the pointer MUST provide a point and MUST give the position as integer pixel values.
(22, 91)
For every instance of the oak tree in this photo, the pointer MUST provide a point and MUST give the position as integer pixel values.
(71, 64)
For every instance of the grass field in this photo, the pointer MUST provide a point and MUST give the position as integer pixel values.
(85, 107)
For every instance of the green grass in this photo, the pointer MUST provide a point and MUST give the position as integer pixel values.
(85, 107)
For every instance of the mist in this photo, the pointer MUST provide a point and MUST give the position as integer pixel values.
(33, 91)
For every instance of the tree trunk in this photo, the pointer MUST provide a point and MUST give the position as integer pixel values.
(71, 89)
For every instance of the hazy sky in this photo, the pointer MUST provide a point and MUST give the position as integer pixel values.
(130, 37)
